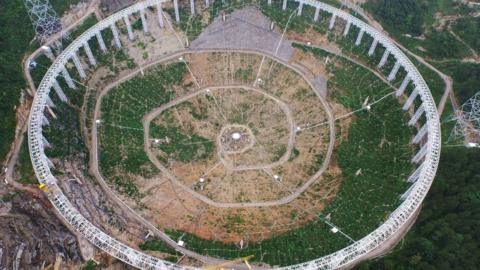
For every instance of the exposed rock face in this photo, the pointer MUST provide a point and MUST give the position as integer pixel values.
(31, 235)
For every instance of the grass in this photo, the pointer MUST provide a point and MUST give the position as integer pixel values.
(184, 147)
(121, 131)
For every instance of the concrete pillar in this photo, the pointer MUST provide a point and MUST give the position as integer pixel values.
(384, 59)
(160, 15)
(45, 142)
(177, 15)
(407, 193)
(415, 175)
(347, 29)
(116, 37)
(48, 52)
(373, 47)
(332, 22)
(359, 37)
(421, 154)
(144, 20)
(129, 27)
(45, 121)
(410, 99)
(207, 3)
(394, 71)
(78, 65)
(284, 5)
(89, 53)
(421, 133)
(49, 162)
(269, 2)
(192, 7)
(101, 42)
(59, 91)
(68, 79)
(403, 86)
(317, 14)
(50, 102)
(300, 8)
(416, 116)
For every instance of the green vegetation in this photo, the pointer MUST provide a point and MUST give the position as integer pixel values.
(90, 21)
(24, 165)
(192, 26)
(62, 6)
(158, 245)
(466, 78)
(182, 147)
(121, 131)
(446, 234)
(90, 265)
(468, 28)
(14, 44)
(10, 196)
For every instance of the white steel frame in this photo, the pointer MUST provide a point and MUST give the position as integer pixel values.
(426, 159)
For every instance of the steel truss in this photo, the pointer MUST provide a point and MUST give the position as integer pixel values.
(427, 159)
(468, 121)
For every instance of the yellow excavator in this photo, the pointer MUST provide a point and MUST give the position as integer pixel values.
(222, 266)
(43, 187)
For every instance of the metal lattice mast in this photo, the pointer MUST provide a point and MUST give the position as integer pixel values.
(468, 121)
(44, 18)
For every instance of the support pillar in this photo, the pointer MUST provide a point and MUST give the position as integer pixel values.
(50, 102)
(59, 91)
(45, 142)
(116, 37)
(373, 47)
(421, 154)
(49, 162)
(416, 116)
(403, 86)
(78, 65)
(394, 71)
(384, 59)
(300, 8)
(284, 5)
(68, 79)
(359, 37)
(89, 53)
(269, 2)
(177, 15)
(317, 14)
(45, 121)
(421, 133)
(48, 52)
(144, 20)
(160, 15)
(407, 193)
(410, 99)
(347, 29)
(101, 43)
(192, 7)
(415, 175)
(332, 22)
(129, 27)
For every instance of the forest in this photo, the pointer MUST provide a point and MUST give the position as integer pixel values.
(446, 234)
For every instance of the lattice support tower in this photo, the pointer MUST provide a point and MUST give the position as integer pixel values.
(468, 121)
(44, 18)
